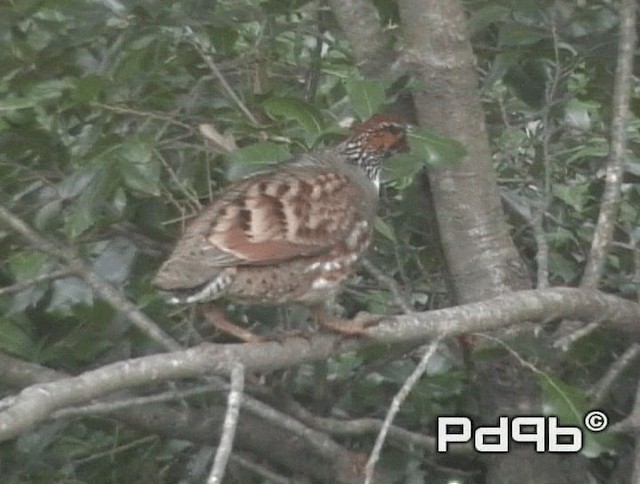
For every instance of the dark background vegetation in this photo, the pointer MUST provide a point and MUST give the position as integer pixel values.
(103, 105)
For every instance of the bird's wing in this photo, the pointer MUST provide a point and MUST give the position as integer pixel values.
(275, 217)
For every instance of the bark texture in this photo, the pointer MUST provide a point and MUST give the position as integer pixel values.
(274, 444)
(360, 23)
(481, 258)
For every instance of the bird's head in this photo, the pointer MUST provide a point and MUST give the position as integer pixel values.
(373, 141)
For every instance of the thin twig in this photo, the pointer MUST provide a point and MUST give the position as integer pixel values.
(189, 194)
(21, 286)
(398, 294)
(260, 470)
(226, 86)
(565, 342)
(634, 247)
(229, 426)
(225, 142)
(110, 407)
(395, 408)
(102, 288)
(145, 114)
(361, 426)
(621, 99)
(318, 440)
(537, 371)
(112, 451)
(542, 256)
(636, 464)
(631, 424)
(601, 389)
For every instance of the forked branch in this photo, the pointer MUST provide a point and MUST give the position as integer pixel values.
(621, 100)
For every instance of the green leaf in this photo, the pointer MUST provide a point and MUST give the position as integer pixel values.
(485, 16)
(562, 267)
(77, 182)
(138, 167)
(80, 219)
(50, 89)
(384, 229)
(119, 202)
(570, 405)
(500, 66)
(596, 147)
(575, 196)
(255, 157)
(528, 80)
(434, 149)
(15, 338)
(17, 103)
(26, 265)
(563, 401)
(94, 186)
(261, 153)
(577, 114)
(561, 236)
(404, 165)
(343, 366)
(295, 110)
(378, 301)
(366, 96)
(36, 94)
(88, 88)
(135, 150)
(47, 214)
(68, 292)
(632, 166)
(519, 35)
(224, 39)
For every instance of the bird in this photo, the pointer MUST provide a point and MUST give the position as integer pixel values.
(291, 234)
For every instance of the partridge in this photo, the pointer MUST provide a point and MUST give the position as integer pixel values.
(289, 235)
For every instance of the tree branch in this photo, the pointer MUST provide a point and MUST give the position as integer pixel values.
(399, 297)
(276, 437)
(260, 470)
(395, 408)
(208, 60)
(621, 99)
(102, 288)
(361, 25)
(601, 389)
(363, 426)
(481, 258)
(229, 426)
(21, 286)
(38, 402)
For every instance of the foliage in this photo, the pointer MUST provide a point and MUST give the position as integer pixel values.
(547, 90)
(100, 105)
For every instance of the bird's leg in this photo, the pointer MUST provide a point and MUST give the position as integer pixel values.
(220, 322)
(345, 327)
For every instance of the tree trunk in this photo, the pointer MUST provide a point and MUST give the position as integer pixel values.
(480, 255)
(361, 26)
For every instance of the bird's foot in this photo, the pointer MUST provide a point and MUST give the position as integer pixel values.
(221, 323)
(352, 327)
